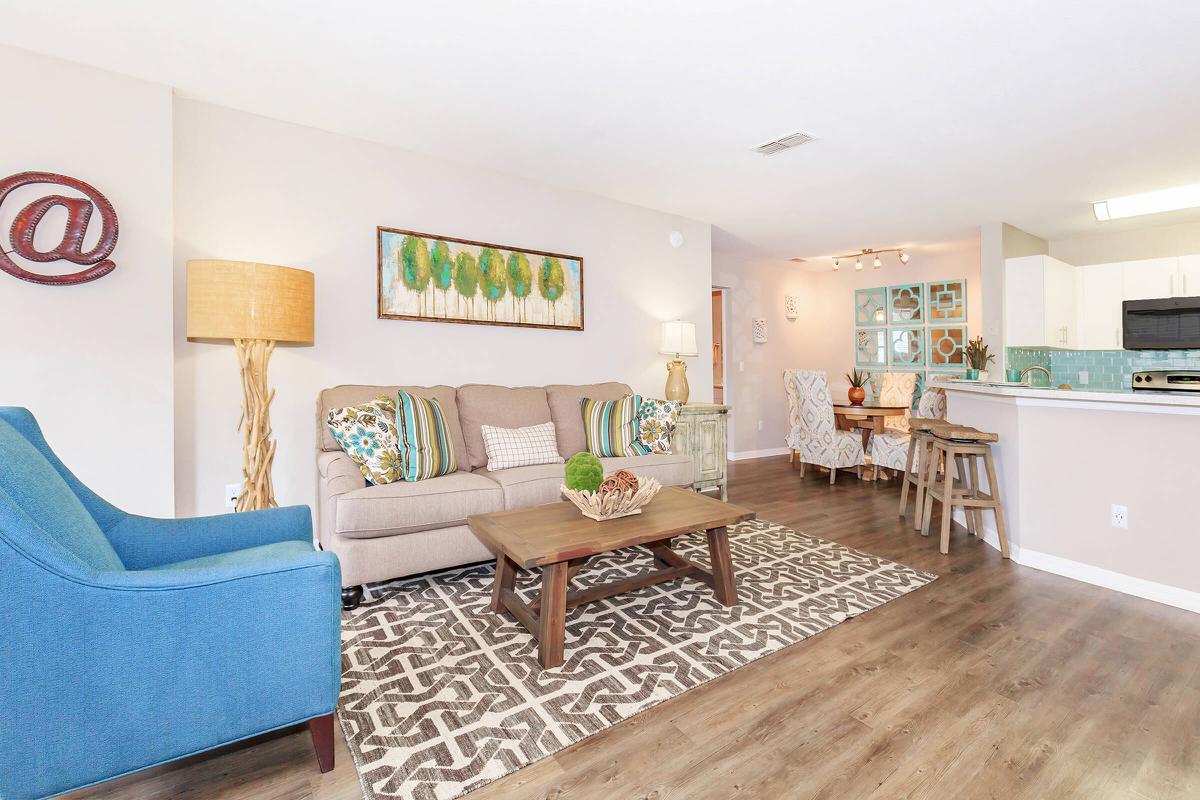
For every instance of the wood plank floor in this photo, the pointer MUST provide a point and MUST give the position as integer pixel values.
(996, 681)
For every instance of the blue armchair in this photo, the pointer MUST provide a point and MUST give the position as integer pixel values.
(126, 642)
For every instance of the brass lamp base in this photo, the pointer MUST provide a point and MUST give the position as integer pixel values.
(677, 385)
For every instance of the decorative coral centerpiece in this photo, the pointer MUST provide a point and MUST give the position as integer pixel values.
(619, 495)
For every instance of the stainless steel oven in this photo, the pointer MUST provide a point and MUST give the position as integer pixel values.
(1168, 380)
(1172, 323)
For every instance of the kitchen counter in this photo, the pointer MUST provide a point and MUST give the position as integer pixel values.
(1116, 397)
(1069, 461)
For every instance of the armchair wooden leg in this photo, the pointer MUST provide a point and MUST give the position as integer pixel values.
(351, 597)
(801, 466)
(322, 735)
(832, 475)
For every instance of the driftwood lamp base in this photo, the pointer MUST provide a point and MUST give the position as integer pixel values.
(258, 449)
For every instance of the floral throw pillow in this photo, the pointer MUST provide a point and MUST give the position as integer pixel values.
(367, 433)
(656, 423)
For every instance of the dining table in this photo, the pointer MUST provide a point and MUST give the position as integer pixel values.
(868, 417)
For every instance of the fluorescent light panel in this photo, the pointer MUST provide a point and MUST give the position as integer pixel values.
(1135, 205)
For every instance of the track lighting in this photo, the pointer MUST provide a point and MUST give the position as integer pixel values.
(876, 261)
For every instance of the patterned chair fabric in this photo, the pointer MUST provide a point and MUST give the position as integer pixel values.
(814, 435)
(896, 388)
(890, 448)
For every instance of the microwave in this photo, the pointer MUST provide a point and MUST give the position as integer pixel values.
(1171, 323)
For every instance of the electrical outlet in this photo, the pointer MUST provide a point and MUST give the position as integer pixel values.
(760, 424)
(1083, 377)
(1120, 516)
(741, 366)
(232, 490)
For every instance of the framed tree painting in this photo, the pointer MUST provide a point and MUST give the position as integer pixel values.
(441, 279)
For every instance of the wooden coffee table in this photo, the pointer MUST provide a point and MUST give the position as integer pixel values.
(559, 540)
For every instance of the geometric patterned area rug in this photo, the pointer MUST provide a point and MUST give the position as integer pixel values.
(441, 696)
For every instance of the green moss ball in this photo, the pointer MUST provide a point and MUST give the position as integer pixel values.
(584, 472)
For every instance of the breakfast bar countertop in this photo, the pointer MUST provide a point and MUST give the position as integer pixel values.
(1115, 397)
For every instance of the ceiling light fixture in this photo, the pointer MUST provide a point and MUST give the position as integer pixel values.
(876, 261)
(1135, 205)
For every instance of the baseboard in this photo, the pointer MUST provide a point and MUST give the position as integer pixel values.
(748, 454)
(1098, 576)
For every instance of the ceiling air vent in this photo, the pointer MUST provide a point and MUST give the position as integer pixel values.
(779, 145)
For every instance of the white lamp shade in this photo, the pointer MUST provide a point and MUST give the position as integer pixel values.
(679, 339)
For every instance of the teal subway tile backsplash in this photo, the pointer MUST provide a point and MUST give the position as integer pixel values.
(1107, 369)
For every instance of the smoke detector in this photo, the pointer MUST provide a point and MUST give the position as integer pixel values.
(784, 143)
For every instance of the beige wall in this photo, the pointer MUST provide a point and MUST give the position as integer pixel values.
(753, 385)
(823, 336)
(94, 362)
(1129, 245)
(247, 187)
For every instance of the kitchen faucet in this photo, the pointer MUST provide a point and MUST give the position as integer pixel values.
(1035, 368)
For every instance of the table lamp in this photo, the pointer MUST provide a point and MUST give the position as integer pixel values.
(678, 339)
(257, 306)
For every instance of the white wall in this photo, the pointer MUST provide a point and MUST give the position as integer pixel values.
(247, 187)
(823, 336)
(94, 362)
(1129, 245)
(756, 288)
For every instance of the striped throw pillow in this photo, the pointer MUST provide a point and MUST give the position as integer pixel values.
(520, 447)
(611, 426)
(425, 450)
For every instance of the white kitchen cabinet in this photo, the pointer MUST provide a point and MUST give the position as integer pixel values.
(1189, 276)
(1152, 278)
(1100, 292)
(1039, 302)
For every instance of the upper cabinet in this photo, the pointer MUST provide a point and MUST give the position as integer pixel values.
(1151, 278)
(1049, 303)
(1189, 276)
(1040, 296)
(1101, 288)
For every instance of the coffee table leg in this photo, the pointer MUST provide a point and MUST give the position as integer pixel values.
(722, 567)
(505, 577)
(553, 618)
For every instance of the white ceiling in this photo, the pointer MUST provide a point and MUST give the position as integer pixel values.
(930, 116)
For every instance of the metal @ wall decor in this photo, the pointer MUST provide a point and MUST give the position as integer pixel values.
(441, 279)
(79, 211)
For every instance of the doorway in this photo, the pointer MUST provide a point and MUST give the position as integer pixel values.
(718, 345)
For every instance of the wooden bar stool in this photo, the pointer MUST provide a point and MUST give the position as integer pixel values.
(962, 447)
(920, 450)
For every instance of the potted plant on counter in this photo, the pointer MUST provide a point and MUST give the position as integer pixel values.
(978, 359)
(857, 381)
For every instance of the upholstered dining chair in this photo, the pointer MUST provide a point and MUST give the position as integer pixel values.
(814, 438)
(127, 642)
(890, 448)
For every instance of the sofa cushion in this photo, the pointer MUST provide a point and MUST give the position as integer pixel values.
(500, 407)
(410, 506)
(669, 470)
(520, 447)
(564, 410)
(529, 486)
(611, 427)
(356, 394)
(367, 434)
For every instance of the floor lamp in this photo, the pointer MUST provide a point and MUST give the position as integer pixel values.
(257, 306)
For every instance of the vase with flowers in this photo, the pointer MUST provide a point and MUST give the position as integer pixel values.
(978, 359)
(857, 381)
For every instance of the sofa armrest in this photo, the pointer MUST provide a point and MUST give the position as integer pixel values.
(145, 542)
(337, 474)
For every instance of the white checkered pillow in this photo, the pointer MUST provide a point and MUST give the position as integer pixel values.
(520, 447)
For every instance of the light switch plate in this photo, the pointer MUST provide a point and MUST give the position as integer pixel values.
(1083, 377)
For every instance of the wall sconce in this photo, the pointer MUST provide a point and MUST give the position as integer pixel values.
(760, 330)
(791, 306)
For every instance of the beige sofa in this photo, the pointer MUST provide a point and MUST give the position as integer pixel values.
(404, 528)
